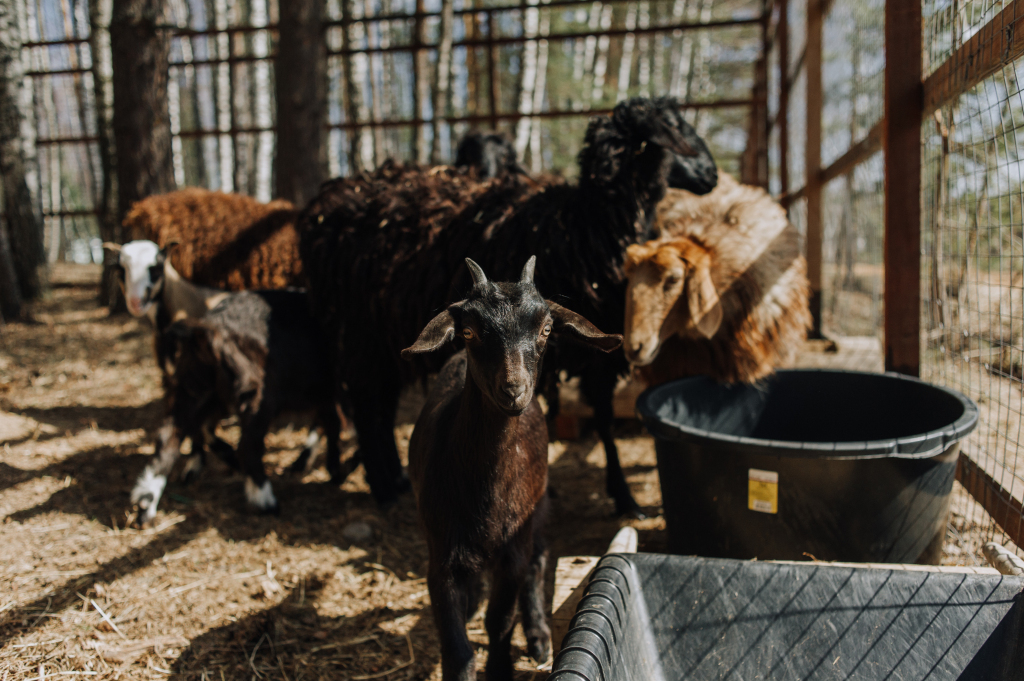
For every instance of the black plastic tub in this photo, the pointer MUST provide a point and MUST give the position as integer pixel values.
(647, 617)
(839, 465)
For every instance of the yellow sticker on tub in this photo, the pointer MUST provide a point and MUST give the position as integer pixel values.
(763, 495)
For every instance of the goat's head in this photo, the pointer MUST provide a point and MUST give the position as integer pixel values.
(506, 327)
(697, 173)
(210, 361)
(669, 292)
(491, 154)
(142, 273)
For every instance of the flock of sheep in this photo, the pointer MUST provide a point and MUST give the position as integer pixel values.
(477, 271)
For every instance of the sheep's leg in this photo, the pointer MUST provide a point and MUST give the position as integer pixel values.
(449, 596)
(598, 387)
(258, 491)
(374, 417)
(501, 616)
(331, 423)
(531, 596)
(151, 483)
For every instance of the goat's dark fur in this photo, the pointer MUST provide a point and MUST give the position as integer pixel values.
(380, 249)
(257, 354)
(491, 154)
(478, 463)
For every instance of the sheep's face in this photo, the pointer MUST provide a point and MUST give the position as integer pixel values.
(506, 327)
(669, 291)
(142, 271)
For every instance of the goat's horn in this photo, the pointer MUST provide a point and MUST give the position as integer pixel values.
(527, 277)
(111, 246)
(478, 274)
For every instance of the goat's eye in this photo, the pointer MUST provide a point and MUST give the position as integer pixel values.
(468, 334)
(546, 331)
(671, 281)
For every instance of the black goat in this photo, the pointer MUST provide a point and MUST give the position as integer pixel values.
(491, 154)
(478, 459)
(380, 248)
(257, 354)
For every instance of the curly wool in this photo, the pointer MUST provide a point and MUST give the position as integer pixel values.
(226, 241)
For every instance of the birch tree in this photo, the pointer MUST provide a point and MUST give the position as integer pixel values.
(106, 206)
(442, 81)
(24, 229)
(421, 85)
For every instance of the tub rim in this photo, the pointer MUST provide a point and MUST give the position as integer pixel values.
(920, 446)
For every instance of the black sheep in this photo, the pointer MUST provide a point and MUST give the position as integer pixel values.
(380, 249)
(492, 154)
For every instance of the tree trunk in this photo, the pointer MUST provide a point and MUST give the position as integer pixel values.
(300, 163)
(10, 292)
(102, 74)
(142, 132)
(442, 83)
(25, 231)
(421, 86)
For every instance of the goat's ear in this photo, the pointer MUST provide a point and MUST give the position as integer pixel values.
(705, 306)
(439, 331)
(112, 247)
(568, 323)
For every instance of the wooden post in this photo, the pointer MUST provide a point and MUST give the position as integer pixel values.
(904, 102)
(782, 119)
(813, 160)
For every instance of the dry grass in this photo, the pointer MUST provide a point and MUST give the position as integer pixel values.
(212, 591)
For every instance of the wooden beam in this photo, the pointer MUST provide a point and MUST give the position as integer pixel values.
(997, 501)
(855, 155)
(902, 143)
(997, 43)
(782, 118)
(812, 156)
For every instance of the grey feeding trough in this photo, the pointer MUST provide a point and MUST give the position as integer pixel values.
(840, 465)
(648, 617)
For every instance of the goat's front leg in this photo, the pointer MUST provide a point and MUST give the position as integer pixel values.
(151, 483)
(531, 596)
(449, 598)
(501, 615)
(258, 491)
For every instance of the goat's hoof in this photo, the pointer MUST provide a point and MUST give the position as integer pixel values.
(539, 647)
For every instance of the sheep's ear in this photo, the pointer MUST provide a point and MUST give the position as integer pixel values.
(439, 331)
(568, 323)
(112, 247)
(705, 306)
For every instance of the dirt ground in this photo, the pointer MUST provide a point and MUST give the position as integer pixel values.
(212, 591)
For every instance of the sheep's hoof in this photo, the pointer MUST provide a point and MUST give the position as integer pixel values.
(193, 467)
(628, 508)
(538, 647)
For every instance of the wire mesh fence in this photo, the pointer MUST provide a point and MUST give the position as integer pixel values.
(972, 307)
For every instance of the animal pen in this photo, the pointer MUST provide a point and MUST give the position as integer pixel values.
(887, 128)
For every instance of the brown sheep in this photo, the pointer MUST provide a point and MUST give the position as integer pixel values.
(227, 241)
(723, 292)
